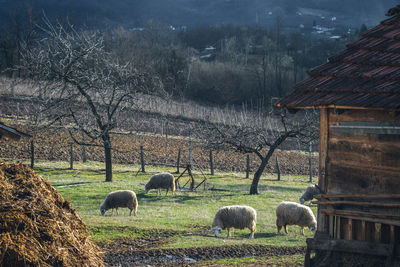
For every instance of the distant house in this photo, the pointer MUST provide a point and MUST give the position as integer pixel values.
(208, 54)
(11, 133)
(358, 95)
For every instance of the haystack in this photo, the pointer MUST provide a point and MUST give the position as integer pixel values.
(37, 226)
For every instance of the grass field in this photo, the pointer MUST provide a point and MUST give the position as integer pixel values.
(188, 215)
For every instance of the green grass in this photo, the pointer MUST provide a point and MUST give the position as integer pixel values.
(189, 214)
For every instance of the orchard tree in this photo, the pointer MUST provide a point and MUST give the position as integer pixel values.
(82, 86)
(260, 135)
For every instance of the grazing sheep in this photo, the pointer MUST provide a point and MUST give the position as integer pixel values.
(161, 181)
(309, 194)
(236, 216)
(121, 198)
(292, 213)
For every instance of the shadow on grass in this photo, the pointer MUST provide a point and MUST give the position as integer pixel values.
(175, 198)
(75, 184)
(55, 169)
(284, 188)
(236, 235)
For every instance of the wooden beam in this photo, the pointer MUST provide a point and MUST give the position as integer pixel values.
(357, 203)
(368, 219)
(363, 230)
(334, 106)
(331, 226)
(353, 246)
(361, 213)
(378, 232)
(365, 129)
(392, 234)
(338, 228)
(323, 148)
(323, 159)
(320, 196)
(349, 229)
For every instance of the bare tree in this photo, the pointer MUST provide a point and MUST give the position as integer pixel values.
(260, 135)
(82, 86)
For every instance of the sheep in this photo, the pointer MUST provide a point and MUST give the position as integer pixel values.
(236, 216)
(292, 213)
(161, 181)
(120, 198)
(309, 194)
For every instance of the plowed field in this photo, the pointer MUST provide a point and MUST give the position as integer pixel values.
(54, 145)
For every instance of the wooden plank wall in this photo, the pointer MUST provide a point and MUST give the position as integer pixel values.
(362, 163)
(359, 164)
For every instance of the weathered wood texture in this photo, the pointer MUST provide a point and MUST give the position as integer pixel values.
(323, 149)
(359, 178)
(362, 163)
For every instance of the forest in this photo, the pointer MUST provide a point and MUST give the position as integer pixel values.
(211, 65)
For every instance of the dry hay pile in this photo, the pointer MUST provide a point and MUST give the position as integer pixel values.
(37, 226)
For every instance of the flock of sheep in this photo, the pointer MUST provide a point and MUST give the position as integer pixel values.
(236, 216)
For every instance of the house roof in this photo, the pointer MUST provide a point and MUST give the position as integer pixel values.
(6, 131)
(365, 75)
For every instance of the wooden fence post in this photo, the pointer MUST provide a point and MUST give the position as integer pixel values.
(83, 148)
(32, 154)
(278, 169)
(247, 166)
(178, 162)
(142, 158)
(310, 161)
(190, 150)
(71, 156)
(211, 163)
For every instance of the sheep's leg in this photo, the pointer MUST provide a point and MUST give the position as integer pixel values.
(279, 229)
(130, 213)
(302, 230)
(251, 234)
(159, 192)
(229, 232)
(166, 193)
(112, 212)
(285, 228)
(116, 211)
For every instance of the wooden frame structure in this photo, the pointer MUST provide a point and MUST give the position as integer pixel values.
(188, 169)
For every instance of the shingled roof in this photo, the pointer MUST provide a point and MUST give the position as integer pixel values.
(365, 75)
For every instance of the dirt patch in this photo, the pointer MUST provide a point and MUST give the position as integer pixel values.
(149, 239)
(187, 256)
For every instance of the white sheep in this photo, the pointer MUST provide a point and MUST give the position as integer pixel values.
(161, 181)
(292, 213)
(236, 216)
(309, 194)
(120, 198)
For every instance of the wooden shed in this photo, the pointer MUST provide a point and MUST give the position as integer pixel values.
(358, 95)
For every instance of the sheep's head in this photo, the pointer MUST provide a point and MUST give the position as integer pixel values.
(103, 208)
(302, 200)
(147, 188)
(216, 230)
(313, 226)
(103, 211)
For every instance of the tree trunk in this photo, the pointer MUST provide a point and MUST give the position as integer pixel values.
(260, 170)
(107, 154)
(257, 176)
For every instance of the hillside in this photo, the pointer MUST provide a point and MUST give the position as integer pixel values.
(133, 13)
